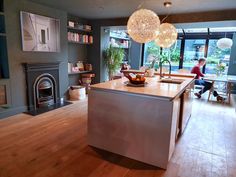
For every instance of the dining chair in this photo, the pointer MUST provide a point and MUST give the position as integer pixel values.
(226, 93)
(230, 86)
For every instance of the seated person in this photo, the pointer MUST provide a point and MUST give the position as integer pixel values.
(198, 81)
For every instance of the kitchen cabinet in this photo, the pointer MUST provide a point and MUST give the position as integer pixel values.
(137, 122)
(185, 109)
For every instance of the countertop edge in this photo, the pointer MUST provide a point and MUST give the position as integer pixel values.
(148, 95)
(132, 93)
(187, 75)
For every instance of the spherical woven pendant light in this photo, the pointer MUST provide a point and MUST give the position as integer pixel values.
(167, 36)
(224, 43)
(143, 26)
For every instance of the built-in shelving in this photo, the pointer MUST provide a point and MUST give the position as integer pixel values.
(122, 47)
(5, 101)
(80, 38)
(83, 43)
(1, 7)
(118, 37)
(80, 34)
(78, 29)
(2, 24)
(4, 70)
(79, 72)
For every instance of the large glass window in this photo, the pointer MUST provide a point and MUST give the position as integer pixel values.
(151, 52)
(193, 50)
(192, 44)
(215, 57)
(174, 54)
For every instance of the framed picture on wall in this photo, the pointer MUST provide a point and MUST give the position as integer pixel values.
(39, 33)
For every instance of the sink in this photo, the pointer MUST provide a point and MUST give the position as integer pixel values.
(171, 80)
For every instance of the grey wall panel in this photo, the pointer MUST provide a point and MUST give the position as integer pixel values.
(16, 56)
(77, 52)
(94, 50)
(135, 55)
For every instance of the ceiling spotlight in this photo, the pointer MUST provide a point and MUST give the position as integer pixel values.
(167, 3)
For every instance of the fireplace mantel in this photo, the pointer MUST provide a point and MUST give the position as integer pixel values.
(41, 66)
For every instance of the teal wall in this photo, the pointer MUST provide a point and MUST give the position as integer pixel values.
(135, 55)
(16, 56)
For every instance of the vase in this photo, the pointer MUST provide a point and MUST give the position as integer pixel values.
(110, 75)
(151, 72)
(219, 74)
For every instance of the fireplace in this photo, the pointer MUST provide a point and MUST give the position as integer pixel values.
(42, 80)
(45, 93)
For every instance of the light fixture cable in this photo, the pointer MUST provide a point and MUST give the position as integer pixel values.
(140, 5)
(168, 7)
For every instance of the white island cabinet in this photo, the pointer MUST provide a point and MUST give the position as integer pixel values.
(136, 122)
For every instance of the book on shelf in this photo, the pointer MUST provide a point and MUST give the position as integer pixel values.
(80, 38)
(77, 25)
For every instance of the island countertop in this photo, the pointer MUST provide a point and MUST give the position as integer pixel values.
(153, 87)
(173, 73)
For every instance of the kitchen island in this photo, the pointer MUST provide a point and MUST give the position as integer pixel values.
(141, 123)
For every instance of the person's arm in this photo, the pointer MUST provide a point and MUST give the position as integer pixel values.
(199, 73)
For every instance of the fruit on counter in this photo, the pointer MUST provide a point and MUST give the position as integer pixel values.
(136, 78)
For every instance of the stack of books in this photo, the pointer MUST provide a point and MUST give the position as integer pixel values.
(80, 38)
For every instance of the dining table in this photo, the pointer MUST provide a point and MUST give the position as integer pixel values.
(229, 81)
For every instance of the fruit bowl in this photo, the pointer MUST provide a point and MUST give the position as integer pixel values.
(136, 79)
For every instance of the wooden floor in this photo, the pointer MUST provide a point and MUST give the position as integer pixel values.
(54, 145)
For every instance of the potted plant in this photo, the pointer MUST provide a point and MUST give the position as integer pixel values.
(113, 59)
(220, 69)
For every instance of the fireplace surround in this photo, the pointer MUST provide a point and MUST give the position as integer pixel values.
(45, 93)
(42, 81)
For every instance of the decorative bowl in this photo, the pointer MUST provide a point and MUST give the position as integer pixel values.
(138, 79)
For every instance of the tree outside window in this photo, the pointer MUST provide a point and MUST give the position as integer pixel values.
(216, 56)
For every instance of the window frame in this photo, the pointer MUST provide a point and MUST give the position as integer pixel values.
(192, 36)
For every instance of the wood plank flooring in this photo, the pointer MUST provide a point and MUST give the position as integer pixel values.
(54, 145)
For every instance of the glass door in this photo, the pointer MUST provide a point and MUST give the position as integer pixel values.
(215, 57)
(194, 49)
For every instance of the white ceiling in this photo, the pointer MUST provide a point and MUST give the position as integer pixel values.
(95, 9)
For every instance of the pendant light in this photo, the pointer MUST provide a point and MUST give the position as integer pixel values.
(143, 26)
(168, 33)
(167, 36)
(224, 43)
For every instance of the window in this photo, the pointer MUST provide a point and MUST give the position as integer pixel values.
(174, 52)
(196, 30)
(193, 44)
(215, 57)
(151, 51)
(193, 50)
(223, 29)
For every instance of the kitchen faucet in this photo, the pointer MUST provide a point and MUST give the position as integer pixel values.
(161, 62)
